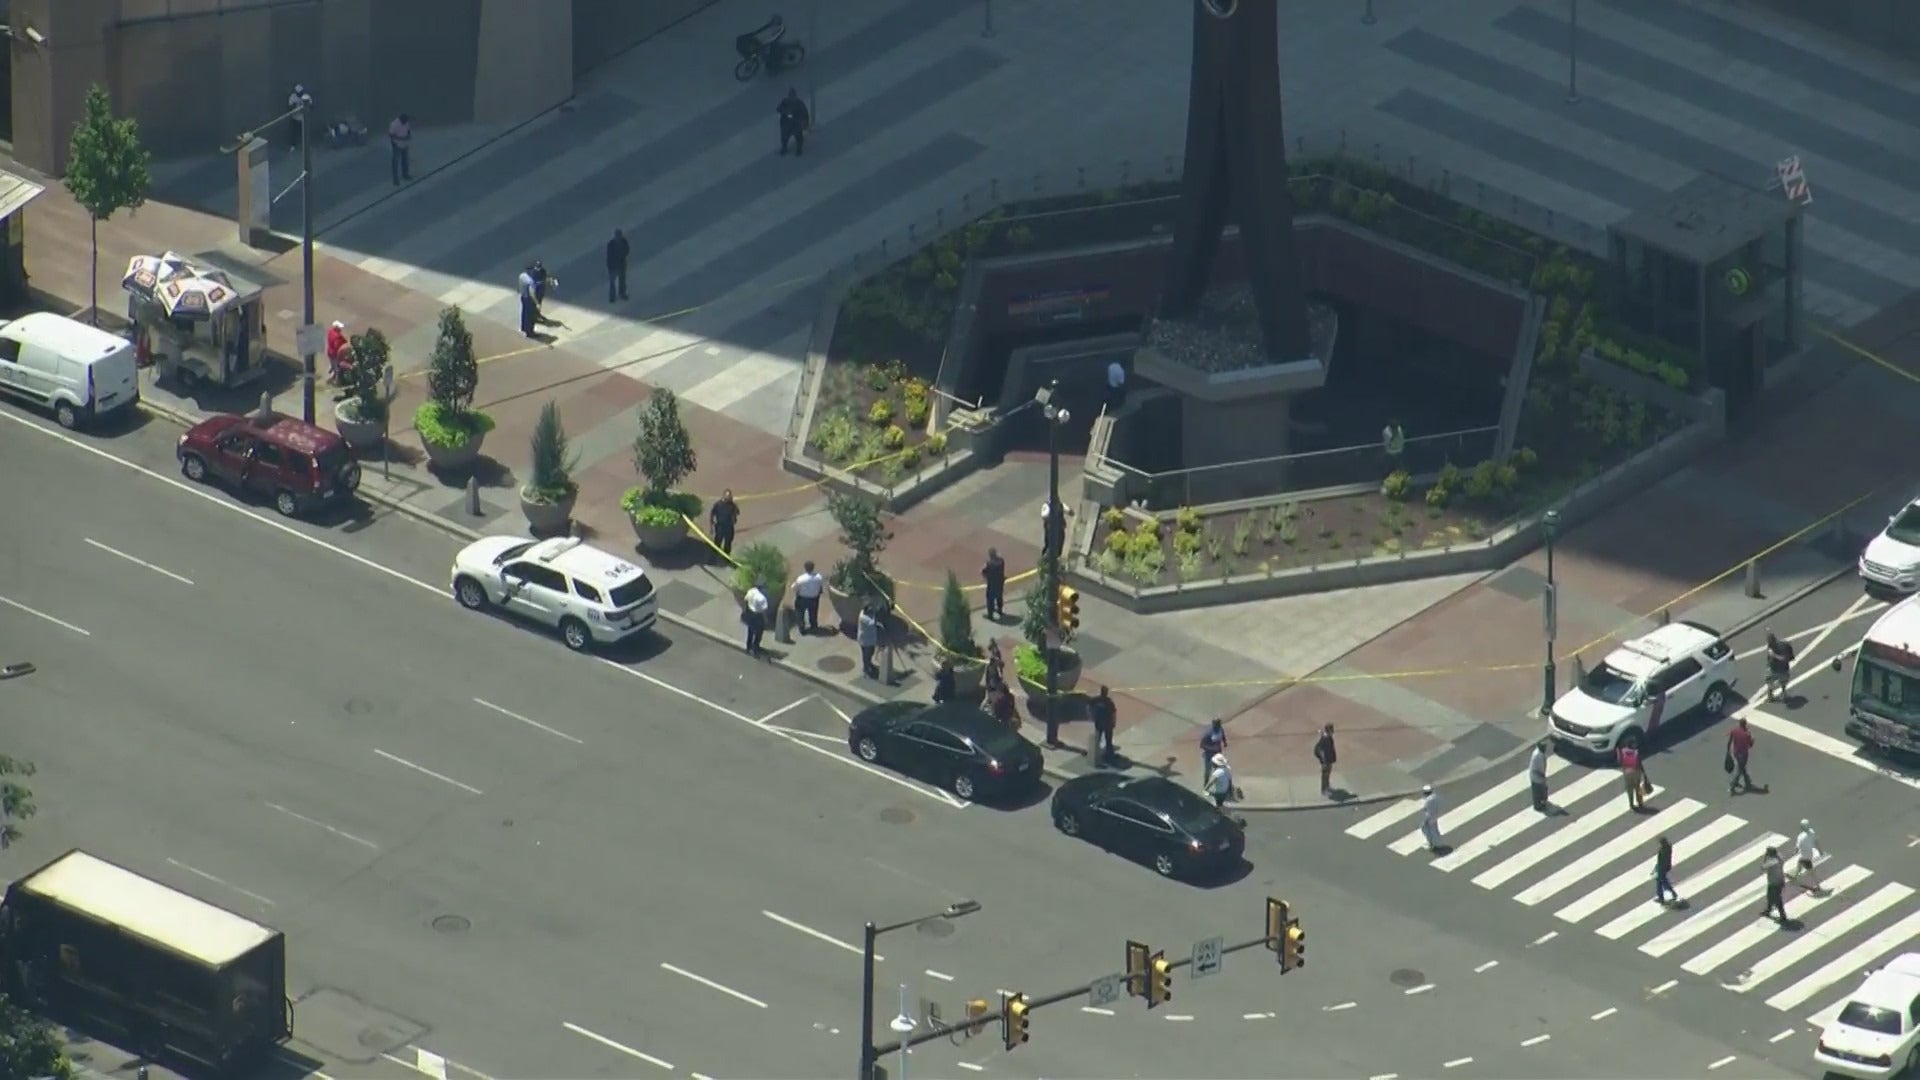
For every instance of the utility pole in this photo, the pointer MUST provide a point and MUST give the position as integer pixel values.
(304, 338)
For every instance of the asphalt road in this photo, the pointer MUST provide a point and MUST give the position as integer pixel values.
(627, 869)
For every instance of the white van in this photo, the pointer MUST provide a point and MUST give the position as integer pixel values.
(80, 372)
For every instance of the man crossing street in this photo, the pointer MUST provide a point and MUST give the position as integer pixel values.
(1325, 753)
(1105, 716)
(617, 251)
(1537, 776)
(722, 518)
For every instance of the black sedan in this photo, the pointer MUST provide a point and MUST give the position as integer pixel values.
(954, 745)
(1152, 820)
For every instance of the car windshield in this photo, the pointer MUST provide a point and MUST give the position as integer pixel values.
(1859, 1014)
(513, 552)
(1905, 526)
(631, 592)
(1611, 685)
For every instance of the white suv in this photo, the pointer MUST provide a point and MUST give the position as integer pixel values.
(1891, 562)
(587, 594)
(1678, 668)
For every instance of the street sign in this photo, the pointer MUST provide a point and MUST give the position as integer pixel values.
(1550, 612)
(309, 340)
(1105, 990)
(1207, 956)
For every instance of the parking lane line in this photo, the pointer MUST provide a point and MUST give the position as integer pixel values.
(787, 708)
(1486, 967)
(817, 935)
(38, 614)
(1457, 1062)
(1096, 1010)
(254, 896)
(1535, 1041)
(797, 733)
(1783, 1036)
(1342, 1007)
(1603, 1014)
(341, 833)
(926, 792)
(1724, 1062)
(1421, 989)
(1862, 608)
(711, 985)
(511, 715)
(612, 1045)
(970, 1066)
(142, 563)
(424, 771)
(941, 975)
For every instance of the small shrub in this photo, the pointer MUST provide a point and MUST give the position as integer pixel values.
(1215, 545)
(1480, 481)
(1242, 533)
(1397, 486)
(835, 435)
(895, 436)
(936, 444)
(1190, 566)
(1113, 518)
(877, 380)
(1118, 540)
(871, 451)
(1019, 236)
(1289, 532)
(760, 563)
(1111, 562)
(1505, 479)
(1268, 528)
(437, 425)
(945, 282)
(910, 458)
(1449, 476)
(1145, 539)
(1525, 458)
(881, 413)
(1185, 543)
(1145, 565)
(1187, 519)
(921, 268)
(550, 474)
(917, 410)
(948, 259)
(1437, 497)
(1333, 543)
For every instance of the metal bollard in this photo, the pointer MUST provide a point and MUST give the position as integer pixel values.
(1093, 747)
(1753, 578)
(783, 625)
(1666, 616)
(886, 665)
(473, 495)
(266, 405)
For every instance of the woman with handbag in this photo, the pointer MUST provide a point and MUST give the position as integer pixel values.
(1633, 777)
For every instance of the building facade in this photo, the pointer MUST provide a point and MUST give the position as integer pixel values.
(197, 72)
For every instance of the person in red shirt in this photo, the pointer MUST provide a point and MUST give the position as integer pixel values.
(1631, 777)
(1739, 746)
(337, 358)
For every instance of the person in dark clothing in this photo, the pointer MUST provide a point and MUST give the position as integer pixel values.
(1053, 529)
(721, 521)
(1326, 755)
(994, 574)
(1212, 741)
(617, 252)
(943, 682)
(1105, 716)
(1663, 874)
(1776, 872)
(1779, 668)
(1000, 701)
(542, 281)
(794, 122)
(529, 302)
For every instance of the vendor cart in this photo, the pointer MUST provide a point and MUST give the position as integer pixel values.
(195, 323)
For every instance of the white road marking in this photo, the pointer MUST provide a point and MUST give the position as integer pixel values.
(1503, 792)
(1566, 836)
(1822, 743)
(837, 711)
(142, 563)
(941, 975)
(1543, 938)
(970, 1066)
(1457, 1062)
(1381, 820)
(1913, 841)
(1783, 1036)
(1385, 1076)
(935, 794)
(1691, 844)
(1848, 963)
(622, 1047)
(511, 715)
(341, 833)
(1861, 608)
(816, 934)
(1342, 1007)
(38, 614)
(254, 896)
(424, 771)
(1727, 907)
(1825, 1018)
(1663, 987)
(1746, 859)
(1603, 1014)
(1421, 989)
(1535, 1041)
(1488, 966)
(1813, 938)
(787, 708)
(1762, 929)
(1180, 1018)
(1634, 839)
(378, 568)
(430, 1063)
(1096, 1011)
(817, 736)
(1257, 1016)
(1522, 819)
(711, 985)
(1724, 1062)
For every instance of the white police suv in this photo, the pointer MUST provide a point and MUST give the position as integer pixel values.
(589, 596)
(1623, 701)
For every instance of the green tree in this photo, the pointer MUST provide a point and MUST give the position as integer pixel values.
(663, 450)
(371, 355)
(453, 372)
(29, 1047)
(865, 533)
(16, 799)
(956, 623)
(106, 172)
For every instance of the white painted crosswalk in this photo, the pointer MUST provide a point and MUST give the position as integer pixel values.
(1593, 857)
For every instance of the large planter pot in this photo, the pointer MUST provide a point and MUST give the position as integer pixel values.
(547, 518)
(846, 607)
(967, 678)
(660, 539)
(1066, 675)
(453, 458)
(360, 434)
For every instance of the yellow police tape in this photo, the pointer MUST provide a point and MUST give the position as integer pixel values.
(731, 561)
(1867, 355)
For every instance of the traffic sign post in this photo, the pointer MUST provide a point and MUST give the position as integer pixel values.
(1208, 956)
(1105, 990)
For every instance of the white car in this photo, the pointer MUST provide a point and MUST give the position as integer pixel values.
(1877, 1033)
(590, 596)
(1623, 701)
(1891, 562)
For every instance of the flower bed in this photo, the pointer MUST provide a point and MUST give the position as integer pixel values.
(871, 420)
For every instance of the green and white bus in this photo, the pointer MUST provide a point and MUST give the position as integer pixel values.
(1884, 709)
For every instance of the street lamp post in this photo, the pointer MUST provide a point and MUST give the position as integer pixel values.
(1054, 525)
(303, 110)
(1367, 19)
(1573, 52)
(1550, 616)
(956, 910)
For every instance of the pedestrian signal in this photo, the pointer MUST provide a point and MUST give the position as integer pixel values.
(1013, 1020)
(1137, 964)
(1293, 947)
(1068, 608)
(1159, 981)
(1276, 925)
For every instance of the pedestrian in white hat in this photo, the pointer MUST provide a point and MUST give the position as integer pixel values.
(1220, 781)
(1430, 818)
(1805, 846)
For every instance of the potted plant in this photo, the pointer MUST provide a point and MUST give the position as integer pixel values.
(1030, 657)
(857, 579)
(361, 418)
(450, 427)
(663, 456)
(956, 639)
(763, 564)
(547, 496)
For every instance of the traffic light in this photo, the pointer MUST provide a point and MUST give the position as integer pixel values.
(1137, 964)
(1293, 951)
(1277, 928)
(1159, 981)
(1068, 608)
(1013, 1020)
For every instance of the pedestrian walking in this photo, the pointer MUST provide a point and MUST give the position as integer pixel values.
(1663, 873)
(944, 682)
(1106, 717)
(400, 140)
(866, 633)
(1430, 819)
(1806, 847)
(1779, 667)
(1776, 872)
(296, 129)
(1000, 700)
(722, 518)
(1220, 781)
(1325, 753)
(755, 616)
(1633, 778)
(617, 251)
(1116, 386)
(994, 576)
(529, 303)
(996, 673)
(806, 598)
(1053, 528)
(543, 283)
(1213, 742)
(1537, 776)
(1739, 747)
(795, 122)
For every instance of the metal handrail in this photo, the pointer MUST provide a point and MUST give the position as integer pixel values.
(1305, 455)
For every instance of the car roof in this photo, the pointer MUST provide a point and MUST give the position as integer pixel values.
(60, 333)
(577, 558)
(277, 428)
(1644, 656)
(962, 718)
(1892, 987)
(1159, 793)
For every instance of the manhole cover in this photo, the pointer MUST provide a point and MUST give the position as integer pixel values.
(936, 928)
(896, 815)
(452, 924)
(358, 707)
(1407, 978)
(834, 665)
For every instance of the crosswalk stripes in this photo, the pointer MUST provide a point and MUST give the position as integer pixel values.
(1591, 859)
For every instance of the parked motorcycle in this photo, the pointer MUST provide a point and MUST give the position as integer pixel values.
(766, 48)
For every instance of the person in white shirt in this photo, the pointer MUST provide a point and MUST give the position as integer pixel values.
(1537, 776)
(295, 130)
(1806, 847)
(755, 616)
(1430, 818)
(806, 598)
(1220, 781)
(529, 302)
(400, 137)
(1116, 386)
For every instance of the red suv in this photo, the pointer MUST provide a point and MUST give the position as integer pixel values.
(298, 465)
